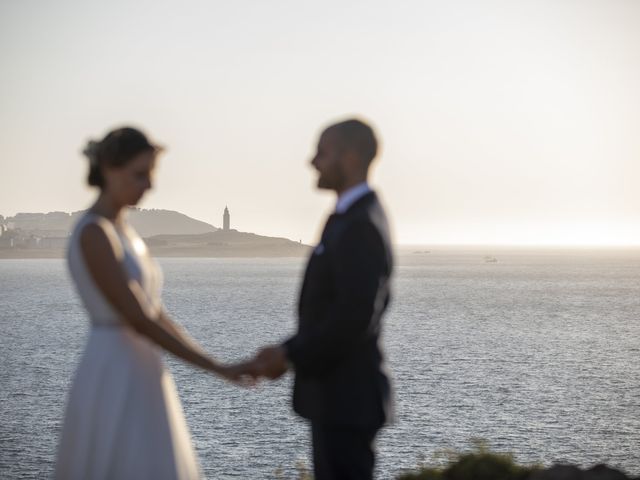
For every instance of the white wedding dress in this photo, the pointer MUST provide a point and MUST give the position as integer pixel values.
(123, 418)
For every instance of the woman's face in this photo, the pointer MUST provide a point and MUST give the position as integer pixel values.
(127, 184)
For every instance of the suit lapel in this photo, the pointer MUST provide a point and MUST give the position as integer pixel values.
(362, 201)
(332, 222)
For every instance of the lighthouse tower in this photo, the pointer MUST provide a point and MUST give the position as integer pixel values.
(226, 219)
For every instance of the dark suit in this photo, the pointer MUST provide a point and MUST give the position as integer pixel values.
(340, 381)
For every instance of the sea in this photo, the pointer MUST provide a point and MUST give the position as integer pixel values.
(535, 353)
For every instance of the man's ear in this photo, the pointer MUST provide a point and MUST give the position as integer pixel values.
(352, 161)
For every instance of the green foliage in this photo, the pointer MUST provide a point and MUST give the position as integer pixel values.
(479, 464)
(302, 472)
(425, 473)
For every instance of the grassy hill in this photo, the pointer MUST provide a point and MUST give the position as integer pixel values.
(168, 234)
(146, 222)
(221, 243)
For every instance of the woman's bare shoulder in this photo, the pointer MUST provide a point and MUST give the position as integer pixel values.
(98, 237)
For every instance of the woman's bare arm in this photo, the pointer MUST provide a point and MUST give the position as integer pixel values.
(103, 255)
(178, 332)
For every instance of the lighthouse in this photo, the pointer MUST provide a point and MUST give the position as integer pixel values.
(226, 219)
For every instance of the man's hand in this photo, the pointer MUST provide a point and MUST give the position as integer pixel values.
(271, 362)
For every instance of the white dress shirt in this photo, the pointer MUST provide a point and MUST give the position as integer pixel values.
(349, 197)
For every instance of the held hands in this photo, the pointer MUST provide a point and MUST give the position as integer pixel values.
(269, 362)
(240, 374)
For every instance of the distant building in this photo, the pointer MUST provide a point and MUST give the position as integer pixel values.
(226, 219)
(7, 242)
(53, 242)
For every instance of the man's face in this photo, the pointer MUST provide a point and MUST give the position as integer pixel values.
(329, 162)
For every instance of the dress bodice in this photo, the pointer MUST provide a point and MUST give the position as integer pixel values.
(136, 262)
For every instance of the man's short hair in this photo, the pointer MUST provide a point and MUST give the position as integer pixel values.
(357, 135)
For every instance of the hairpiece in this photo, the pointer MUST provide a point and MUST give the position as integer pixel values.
(91, 152)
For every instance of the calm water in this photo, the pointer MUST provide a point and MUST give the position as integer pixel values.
(538, 354)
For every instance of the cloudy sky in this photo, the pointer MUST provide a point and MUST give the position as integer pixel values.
(501, 122)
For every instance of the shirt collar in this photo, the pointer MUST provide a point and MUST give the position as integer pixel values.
(350, 196)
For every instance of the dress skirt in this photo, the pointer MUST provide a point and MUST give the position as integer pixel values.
(123, 418)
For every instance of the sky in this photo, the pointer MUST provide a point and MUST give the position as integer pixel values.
(501, 122)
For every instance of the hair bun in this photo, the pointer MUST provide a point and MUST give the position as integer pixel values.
(91, 152)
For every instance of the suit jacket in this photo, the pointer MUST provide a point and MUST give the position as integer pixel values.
(339, 367)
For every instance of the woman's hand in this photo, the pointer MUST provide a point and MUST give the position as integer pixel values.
(243, 373)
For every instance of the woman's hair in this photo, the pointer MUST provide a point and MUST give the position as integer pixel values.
(116, 149)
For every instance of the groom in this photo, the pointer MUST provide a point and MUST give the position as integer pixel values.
(340, 382)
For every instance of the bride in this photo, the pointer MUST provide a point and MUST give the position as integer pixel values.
(123, 418)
